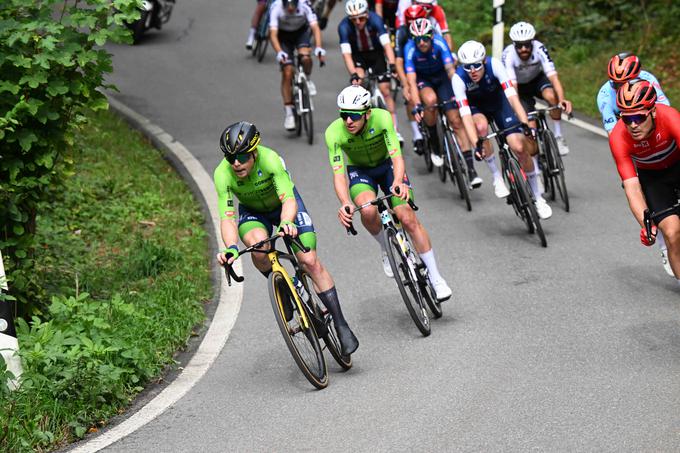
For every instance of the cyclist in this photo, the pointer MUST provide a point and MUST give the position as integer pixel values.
(484, 92)
(364, 43)
(621, 68)
(435, 12)
(644, 144)
(387, 10)
(260, 7)
(256, 175)
(429, 66)
(533, 73)
(292, 22)
(366, 136)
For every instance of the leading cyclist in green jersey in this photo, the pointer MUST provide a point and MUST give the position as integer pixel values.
(267, 197)
(367, 138)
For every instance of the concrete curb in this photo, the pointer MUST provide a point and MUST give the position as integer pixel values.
(229, 301)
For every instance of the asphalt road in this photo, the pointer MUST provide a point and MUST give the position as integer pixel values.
(571, 348)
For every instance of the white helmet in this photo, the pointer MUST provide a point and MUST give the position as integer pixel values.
(425, 2)
(522, 31)
(354, 98)
(471, 52)
(356, 7)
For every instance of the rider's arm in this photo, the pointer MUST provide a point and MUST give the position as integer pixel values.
(440, 16)
(636, 199)
(620, 149)
(229, 232)
(274, 15)
(410, 70)
(606, 103)
(379, 8)
(459, 92)
(548, 66)
(378, 24)
(508, 60)
(661, 97)
(337, 161)
(344, 30)
(312, 20)
(509, 90)
(225, 205)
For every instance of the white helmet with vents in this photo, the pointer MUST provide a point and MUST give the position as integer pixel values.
(356, 7)
(471, 52)
(354, 98)
(522, 31)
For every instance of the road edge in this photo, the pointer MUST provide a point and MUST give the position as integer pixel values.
(229, 298)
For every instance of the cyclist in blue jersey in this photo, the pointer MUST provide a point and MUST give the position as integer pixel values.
(622, 68)
(429, 66)
(365, 43)
(485, 93)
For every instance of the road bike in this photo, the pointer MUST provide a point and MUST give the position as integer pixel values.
(649, 218)
(262, 35)
(301, 320)
(372, 86)
(303, 105)
(521, 196)
(549, 157)
(409, 271)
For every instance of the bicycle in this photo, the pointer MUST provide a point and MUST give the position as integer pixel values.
(409, 271)
(521, 196)
(649, 217)
(454, 162)
(371, 80)
(262, 35)
(302, 321)
(549, 157)
(303, 107)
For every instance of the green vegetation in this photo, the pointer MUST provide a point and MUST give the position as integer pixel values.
(582, 37)
(121, 252)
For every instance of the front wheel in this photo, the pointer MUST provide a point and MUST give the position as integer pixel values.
(526, 204)
(307, 115)
(405, 275)
(298, 331)
(427, 150)
(457, 170)
(556, 170)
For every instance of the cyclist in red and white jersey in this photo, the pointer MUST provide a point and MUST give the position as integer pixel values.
(644, 144)
(435, 11)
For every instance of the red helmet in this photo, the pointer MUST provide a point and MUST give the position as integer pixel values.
(636, 95)
(414, 12)
(622, 67)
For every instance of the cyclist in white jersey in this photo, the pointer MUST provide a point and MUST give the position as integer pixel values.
(533, 72)
(292, 23)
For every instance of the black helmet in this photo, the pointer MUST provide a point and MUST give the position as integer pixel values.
(239, 138)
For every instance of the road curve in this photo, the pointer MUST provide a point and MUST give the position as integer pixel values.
(573, 347)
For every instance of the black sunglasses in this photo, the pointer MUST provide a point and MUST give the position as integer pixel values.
(355, 116)
(638, 118)
(242, 158)
(523, 44)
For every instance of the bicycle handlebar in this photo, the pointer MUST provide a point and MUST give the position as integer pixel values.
(501, 132)
(648, 218)
(546, 110)
(374, 202)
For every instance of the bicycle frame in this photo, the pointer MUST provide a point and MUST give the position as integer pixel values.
(300, 78)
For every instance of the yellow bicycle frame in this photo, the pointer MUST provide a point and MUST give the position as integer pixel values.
(277, 267)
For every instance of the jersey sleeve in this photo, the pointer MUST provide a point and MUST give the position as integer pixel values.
(335, 154)
(391, 141)
(503, 77)
(547, 62)
(661, 97)
(377, 23)
(460, 93)
(605, 103)
(274, 14)
(309, 13)
(281, 178)
(440, 16)
(443, 49)
(509, 63)
(344, 31)
(621, 153)
(409, 50)
(225, 197)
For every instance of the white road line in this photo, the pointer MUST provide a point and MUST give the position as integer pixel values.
(223, 321)
(580, 123)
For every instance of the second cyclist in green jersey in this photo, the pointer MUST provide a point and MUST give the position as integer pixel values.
(363, 145)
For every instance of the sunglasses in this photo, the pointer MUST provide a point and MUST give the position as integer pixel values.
(638, 118)
(418, 39)
(473, 67)
(523, 45)
(352, 114)
(359, 19)
(242, 158)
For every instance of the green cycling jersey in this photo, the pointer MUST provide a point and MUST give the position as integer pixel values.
(376, 142)
(265, 188)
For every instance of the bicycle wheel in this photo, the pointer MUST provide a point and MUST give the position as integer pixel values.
(307, 116)
(457, 170)
(405, 275)
(323, 324)
(301, 339)
(556, 169)
(427, 151)
(527, 206)
(262, 49)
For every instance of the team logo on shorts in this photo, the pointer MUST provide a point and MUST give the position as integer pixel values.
(303, 219)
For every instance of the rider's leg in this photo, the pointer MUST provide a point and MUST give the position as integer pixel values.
(482, 126)
(429, 100)
(305, 54)
(252, 233)
(254, 22)
(453, 116)
(670, 228)
(287, 94)
(389, 101)
(550, 96)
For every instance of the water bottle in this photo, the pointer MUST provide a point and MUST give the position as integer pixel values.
(300, 288)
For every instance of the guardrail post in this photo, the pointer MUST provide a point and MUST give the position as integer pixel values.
(9, 346)
(498, 29)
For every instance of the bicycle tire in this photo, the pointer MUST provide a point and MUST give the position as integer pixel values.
(253, 51)
(457, 171)
(298, 115)
(402, 275)
(380, 103)
(307, 115)
(527, 205)
(556, 168)
(515, 180)
(262, 49)
(327, 331)
(302, 342)
(427, 151)
(427, 288)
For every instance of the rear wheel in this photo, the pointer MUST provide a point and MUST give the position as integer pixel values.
(300, 337)
(262, 48)
(306, 115)
(527, 205)
(427, 150)
(405, 275)
(556, 169)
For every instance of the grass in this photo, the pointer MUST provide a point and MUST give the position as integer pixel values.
(123, 256)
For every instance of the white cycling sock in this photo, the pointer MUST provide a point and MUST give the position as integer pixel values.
(535, 183)
(381, 240)
(431, 264)
(661, 242)
(394, 120)
(251, 34)
(491, 162)
(534, 159)
(416, 131)
(289, 109)
(557, 125)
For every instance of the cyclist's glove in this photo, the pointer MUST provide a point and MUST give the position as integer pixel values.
(354, 78)
(479, 150)
(643, 236)
(231, 251)
(281, 225)
(319, 52)
(529, 131)
(282, 57)
(418, 110)
(393, 68)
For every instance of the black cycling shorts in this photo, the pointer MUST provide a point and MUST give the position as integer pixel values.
(291, 40)
(528, 92)
(659, 187)
(374, 59)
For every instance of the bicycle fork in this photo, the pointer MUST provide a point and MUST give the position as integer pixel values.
(277, 267)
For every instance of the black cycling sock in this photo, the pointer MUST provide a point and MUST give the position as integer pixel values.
(469, 159)
(330, 300)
